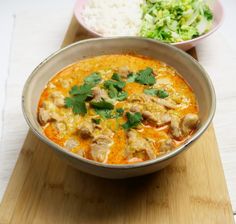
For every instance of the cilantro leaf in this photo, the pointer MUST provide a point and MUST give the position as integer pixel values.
(117, 84)
(81, 90)
(119, 112)
(104, 113)
(146, 77)
(131, 77)
(112, 91)
(96, 120)
(116, 77)
(93, 79)
(122, 95)
(162, 93)
(78, 106)
(133, 120)
(154, 92)
(102, 105)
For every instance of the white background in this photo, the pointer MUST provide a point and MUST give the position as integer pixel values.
(217, 54)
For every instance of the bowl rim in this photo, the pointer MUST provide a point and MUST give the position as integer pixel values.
(208, 33)
(159, 159)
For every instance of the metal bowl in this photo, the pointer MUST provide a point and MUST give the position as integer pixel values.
(188, 67)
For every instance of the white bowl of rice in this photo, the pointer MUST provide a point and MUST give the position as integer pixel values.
(181, 23)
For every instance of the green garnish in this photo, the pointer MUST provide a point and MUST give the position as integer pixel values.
(116, 77)
(146, 77)
(77, 104)
(117, 84)
(104, 113)
(121, 95)
(96, 120)
(152, 92)
(155, 92)
(79, 94)
(131, 77)
(133, 120)
(93, 79)
(81, 90)
(162, 93)
(119, 112)
(115, 87)
(102, 105)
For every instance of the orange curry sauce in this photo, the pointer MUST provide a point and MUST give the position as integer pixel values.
(167, 78)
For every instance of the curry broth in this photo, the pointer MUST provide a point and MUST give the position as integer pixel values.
(66, 126)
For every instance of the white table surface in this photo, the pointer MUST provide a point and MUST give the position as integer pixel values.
(18, 57)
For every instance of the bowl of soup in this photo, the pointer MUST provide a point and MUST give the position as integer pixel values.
(119, 107)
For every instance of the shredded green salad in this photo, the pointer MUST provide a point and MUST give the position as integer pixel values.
(174, 21)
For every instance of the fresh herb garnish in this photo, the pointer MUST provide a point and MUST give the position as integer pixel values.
(104, 113)
(93, 79)
(79, 94)
(77, 104)
(102, 105)
(152, 92)
(155, 92)
(96, 120)
(116, 77)
(131, 77)
(133, 120)
(146, 77)
(117, 84)
(119, 112)
(115, 87)
(81, 90)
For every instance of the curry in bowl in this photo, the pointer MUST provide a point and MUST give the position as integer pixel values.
(118, 109)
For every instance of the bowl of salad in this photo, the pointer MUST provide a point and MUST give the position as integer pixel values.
(182, 23)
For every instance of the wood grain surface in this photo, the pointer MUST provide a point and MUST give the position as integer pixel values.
(44, 189)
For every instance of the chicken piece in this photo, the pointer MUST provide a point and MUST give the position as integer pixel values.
(166, 103)
(135, 108)
(86, 129)
(58, 98)
(137, 98)
(123, 71)
(60, 126)
(99, 94)
(100, 148)
(71, 143)
(175, 127)
(166, 146)
(137, 144)
(44, 116)
(147, 115)
(189, 123)
(163, 119)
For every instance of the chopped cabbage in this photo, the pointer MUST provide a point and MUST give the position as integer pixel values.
(173, 21)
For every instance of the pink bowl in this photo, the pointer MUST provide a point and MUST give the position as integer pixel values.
(184, 45)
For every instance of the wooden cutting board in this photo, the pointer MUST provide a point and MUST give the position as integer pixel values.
(44, 189)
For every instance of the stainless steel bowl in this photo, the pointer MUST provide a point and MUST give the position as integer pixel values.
(188, 67)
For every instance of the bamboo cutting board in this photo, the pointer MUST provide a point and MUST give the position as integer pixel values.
(43, 189)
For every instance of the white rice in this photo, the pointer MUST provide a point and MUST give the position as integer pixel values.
(113, 17)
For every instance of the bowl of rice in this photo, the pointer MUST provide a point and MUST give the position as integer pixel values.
(182, 23)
